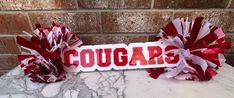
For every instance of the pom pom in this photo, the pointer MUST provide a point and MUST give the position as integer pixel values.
(42, 63)
(201, 46)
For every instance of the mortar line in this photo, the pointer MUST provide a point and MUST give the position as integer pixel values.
(110, 10)
(100, 21)
(29, 21)
(13, 35)
(152, 4)
(76, 1)
(8, 54)
(147, 38)
(228, 34)
(173, 15)
(112, 34)
(4, 70)
(20, 50)
(229, 4)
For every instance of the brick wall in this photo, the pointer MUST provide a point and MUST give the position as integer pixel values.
(105, 21)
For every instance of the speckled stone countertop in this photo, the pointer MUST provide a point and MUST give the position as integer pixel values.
(118, 84)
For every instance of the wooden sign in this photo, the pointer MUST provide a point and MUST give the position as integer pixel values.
(120, 57)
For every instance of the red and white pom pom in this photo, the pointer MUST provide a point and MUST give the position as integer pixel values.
(42, 63)
(200, 45)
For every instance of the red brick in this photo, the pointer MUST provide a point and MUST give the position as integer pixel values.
(201, 4)
(13, 23)
(83, 22)
(218, 18)
(112, 39)
(8, 46)
(37, 4)
(136, 21)
(114, 4)
(8, 62)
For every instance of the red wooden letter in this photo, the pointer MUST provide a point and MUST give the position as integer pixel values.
(155, 52)
(99, 57)
(67, 58)
(124, 57)
(171, 59)
(137, 55)
(83, 60)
